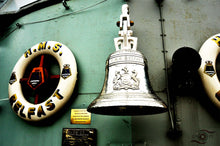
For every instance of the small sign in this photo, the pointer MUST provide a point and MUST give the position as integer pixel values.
(80, 116)
(209, 69)
(66, 72)
(12, 78)
(79, 137)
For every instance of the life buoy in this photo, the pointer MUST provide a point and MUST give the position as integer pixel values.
(209, 52)
(68, 69)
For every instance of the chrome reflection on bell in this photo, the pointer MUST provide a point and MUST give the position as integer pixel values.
(127, 89)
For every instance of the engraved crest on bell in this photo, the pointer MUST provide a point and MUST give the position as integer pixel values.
(126, 80)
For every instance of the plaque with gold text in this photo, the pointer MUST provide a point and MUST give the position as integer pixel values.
(79, 137)
(80, 116)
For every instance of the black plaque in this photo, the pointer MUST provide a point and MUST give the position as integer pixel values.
(79, 137)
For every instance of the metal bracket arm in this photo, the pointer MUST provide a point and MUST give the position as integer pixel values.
(125, 41)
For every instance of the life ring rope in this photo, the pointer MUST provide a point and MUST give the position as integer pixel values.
(68, 76)
(209, 52)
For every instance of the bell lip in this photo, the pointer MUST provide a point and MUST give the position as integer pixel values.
(127, 104)
(127, 110)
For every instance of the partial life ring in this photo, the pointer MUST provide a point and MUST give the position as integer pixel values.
(67, 80)
(207, 71)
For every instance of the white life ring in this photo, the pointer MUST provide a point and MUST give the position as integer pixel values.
(36, 112)
(209, 52)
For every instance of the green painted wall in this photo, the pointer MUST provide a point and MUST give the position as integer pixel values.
(89, 34)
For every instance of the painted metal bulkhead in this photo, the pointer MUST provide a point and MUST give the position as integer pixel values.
(89, 34)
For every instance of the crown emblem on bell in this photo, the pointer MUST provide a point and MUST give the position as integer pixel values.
(125, 80)
(126, 89)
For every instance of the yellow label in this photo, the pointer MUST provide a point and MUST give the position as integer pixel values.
(80, 116)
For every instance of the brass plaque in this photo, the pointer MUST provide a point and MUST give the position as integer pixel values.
(79, 137)
(80, 116)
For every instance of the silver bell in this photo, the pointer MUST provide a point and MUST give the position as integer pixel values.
(126, 89)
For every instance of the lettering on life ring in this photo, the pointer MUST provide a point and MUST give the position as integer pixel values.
(68, 68)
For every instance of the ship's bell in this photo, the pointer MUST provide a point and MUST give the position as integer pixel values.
(126, 89)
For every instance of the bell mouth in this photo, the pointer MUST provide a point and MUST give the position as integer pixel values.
(127, 104)
(127, 110)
